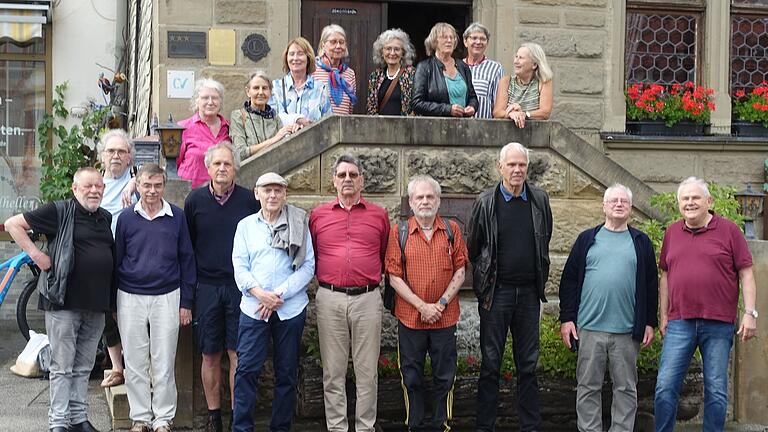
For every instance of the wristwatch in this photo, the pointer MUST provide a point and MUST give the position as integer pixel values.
(752, 312)
(443, 301)
(527, 114)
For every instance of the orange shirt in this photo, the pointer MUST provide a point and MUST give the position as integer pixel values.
(430, 266)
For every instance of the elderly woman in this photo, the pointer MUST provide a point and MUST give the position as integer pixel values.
(527, 94)
(333, 72)
(273, 261)
(298, 97)
(206, 128)
(256, 125)
(443, 85)
(390, 86)
(486, 73)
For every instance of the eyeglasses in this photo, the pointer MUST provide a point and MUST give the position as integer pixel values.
(614, 201)
(446, 37)
(392, 49)
(343, 175)
(478, 38)
(333, 42)
(119, 152)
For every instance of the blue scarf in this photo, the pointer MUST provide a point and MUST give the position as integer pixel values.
(338, 84)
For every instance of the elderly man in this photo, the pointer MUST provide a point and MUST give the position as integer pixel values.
(273, 262)
(116, 153)
(609, 291)
(74, 327)
(212, 214)
(508, 243)
(703, 258)
(350, 236)
(156, 279)
(427, 280)
(486, 73)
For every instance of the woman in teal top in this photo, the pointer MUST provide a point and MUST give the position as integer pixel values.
(528, 93)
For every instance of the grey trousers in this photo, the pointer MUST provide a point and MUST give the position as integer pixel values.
(620, 350)
(74, 337)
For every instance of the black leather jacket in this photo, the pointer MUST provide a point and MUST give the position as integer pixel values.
(482, 242)
(430, 93)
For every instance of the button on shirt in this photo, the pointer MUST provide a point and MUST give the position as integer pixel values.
(350, 245)
(258, 264)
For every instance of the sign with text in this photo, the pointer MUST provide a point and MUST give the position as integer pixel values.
(185, 44)
(181, 84)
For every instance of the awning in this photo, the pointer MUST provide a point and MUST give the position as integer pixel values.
(22, 21)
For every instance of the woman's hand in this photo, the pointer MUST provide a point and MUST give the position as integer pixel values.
(303, 121)
(518, 117)
(469, 111)
(457, 110)
(514, 107)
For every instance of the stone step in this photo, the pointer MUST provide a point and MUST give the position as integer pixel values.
(117, 400)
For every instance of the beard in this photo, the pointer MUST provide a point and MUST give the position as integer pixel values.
(425, 213)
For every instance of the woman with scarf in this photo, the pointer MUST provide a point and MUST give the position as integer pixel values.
(338, 77)
(255, 125)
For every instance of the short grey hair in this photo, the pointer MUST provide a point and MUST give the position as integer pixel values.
(115, 133)
(409, 52)
(476, 27)
(258, 73)
(326, 33)
(151, 170)
(617, 187)
(694, 181)
(347, 158)
(82, 170)
(209, 84)
(423, 179)
(224, 145)
(517, 147)
(430, 43)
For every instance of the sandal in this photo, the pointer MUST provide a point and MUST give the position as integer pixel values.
(115, 378)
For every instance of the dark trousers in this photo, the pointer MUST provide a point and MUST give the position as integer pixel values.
(252, 348)
(514, 309)
(413, 346)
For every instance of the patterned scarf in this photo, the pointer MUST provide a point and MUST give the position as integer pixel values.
(267, 112)
(338, 84)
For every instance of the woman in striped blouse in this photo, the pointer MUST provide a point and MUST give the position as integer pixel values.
(338, 77)
(528, 93)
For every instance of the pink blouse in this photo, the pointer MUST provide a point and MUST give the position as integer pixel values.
(195, 140)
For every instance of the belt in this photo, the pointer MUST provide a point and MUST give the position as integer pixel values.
(351, 290)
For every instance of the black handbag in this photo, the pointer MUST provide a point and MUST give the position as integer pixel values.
(52, 283)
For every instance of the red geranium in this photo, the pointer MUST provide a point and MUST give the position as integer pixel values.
(752, 106)
(687, 101)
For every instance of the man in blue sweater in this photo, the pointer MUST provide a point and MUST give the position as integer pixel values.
(212, 213)
(608, 298)
(156, 278)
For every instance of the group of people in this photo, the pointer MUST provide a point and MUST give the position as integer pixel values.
(239, 262)
(315, 86)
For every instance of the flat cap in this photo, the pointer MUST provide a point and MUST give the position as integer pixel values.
(271, 178)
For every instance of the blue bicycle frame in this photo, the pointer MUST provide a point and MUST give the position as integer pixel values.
(13, 265)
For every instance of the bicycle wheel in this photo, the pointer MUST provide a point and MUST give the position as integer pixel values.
(28, 317)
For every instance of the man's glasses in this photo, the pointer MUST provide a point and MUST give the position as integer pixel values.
(614, 201)
(343, 175)
(119, 152)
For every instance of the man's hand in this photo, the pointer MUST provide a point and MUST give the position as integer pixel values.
(42, 260)
(648, 337)
(126, 197)
(567, 329)
(270, 299)
(185, 316)
(263, 312)
(748, 327)
(430, 313)
(663, 326)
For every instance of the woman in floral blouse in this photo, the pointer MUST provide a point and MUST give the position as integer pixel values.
(393, 54)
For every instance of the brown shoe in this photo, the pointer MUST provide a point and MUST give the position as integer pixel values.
(140, 427)
(115, 378)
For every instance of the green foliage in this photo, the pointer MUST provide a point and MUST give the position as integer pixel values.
(71, 152)
(554, 357)
(752, 107)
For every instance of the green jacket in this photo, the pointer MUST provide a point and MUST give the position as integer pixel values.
(247, 129)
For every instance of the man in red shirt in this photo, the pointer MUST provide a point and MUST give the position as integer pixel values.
(703, 258)
(350, 237)
(427, 307)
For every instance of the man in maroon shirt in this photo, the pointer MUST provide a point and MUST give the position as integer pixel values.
(350, 238)
(703, 258)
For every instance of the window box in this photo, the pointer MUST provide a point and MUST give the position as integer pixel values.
(659, 128)
(749, 129)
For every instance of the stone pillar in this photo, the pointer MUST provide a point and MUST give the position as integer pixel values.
(615, 107)
(717, 58)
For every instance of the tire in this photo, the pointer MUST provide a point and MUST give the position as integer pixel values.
(25, 316)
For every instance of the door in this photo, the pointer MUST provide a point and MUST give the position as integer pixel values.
(362, 23)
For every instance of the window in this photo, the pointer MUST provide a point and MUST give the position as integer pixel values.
(749, 44)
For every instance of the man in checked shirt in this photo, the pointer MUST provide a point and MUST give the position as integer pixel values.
(427, 307)
(350, 237)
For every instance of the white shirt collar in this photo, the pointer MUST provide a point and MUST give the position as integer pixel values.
(165, 211)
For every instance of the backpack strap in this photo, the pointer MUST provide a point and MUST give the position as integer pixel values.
(448, 229)
(402, 239)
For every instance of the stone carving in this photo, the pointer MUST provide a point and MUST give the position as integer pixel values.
(255, 47)
(379, 168)
(457, 172)
(583, 186)
(548, 172)
(304, 179)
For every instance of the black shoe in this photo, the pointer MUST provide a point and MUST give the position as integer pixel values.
(213, 425)
(85, 426)
(58, 429)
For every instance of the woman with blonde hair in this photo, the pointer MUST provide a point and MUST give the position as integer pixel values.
(338, 77)
(528, 93)
(390, 86)
(443, 85)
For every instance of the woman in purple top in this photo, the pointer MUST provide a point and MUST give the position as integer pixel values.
(206, 128)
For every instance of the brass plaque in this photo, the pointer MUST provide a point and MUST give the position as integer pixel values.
(221, 49)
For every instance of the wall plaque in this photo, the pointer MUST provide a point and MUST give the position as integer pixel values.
(183, 44)
(255, 47)
(222, 49)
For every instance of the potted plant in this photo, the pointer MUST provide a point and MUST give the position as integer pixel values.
(679, 109)
(751, 112)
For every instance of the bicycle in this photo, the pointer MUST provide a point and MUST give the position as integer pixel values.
(12, 267)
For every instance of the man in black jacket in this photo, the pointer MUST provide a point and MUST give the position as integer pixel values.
(609, 290)
(508, 244)
(74, 327)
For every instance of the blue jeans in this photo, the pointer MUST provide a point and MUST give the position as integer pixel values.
(252, 347)
(714, 340)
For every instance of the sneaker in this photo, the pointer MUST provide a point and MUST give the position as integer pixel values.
(140, 427)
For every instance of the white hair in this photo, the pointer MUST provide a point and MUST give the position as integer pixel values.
(206, 83)
(617, 187)
(326, 33)
(423, 179)
(517, 147)
(694, 181)
(224, 145)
